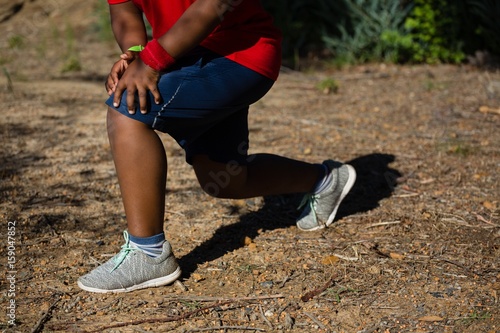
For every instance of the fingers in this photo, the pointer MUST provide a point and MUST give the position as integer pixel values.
(111, 83)
(156, 94)
(143, 100)
(137, 79)
(131, 100)
(128, 56)
(114, 76)
(120, 87)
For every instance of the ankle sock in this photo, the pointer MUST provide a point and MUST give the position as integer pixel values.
(324, 181)
(152, 246)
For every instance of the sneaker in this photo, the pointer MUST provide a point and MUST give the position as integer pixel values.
(132, 269)
(320, 209)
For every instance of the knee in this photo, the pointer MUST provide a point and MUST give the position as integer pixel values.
(220, 180)
(118, 123)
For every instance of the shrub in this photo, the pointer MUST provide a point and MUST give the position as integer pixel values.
(372, 31)
(434, 32)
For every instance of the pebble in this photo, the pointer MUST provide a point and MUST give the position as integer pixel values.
(267, 284)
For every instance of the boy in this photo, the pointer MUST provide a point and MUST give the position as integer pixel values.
(207, 62)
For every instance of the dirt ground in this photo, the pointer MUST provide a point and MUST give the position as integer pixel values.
(415, 246)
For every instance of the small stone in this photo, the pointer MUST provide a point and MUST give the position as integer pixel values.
(267, 284)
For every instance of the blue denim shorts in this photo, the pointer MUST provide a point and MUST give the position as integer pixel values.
(205, 101)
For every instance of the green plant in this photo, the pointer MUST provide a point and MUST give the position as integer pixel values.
(369, 30)
(329, 85)
(336, 292)
(15, 42)
(434, 32)
(72, 63)
(483, 315)
(191, 305)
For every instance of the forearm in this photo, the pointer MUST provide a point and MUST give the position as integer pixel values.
(127, 25)
(197, 22)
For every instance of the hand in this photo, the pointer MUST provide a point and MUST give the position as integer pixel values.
(137, 78)
(118, 69)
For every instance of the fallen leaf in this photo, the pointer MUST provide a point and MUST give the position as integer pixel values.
(430, 318)
(489, 205)
(396, 256)
(329, 260)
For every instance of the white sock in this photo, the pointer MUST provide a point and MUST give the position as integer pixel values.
(152, 246)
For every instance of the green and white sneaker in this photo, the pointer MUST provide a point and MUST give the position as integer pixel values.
(132, 269)
(320, 209)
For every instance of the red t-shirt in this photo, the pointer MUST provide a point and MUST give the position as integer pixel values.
(246, 35)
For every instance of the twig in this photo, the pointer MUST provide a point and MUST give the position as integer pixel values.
(175, 212)
(316, 320)
(264, 317)
(482, 219)
(285, 280)
(408, 195)
(160, 320)
(283, 308)
(461, 266)
(456, 276)
(39, 325)
(460, 221)
(220, 301)
(225, 299)
(310, 295)
(382, 223)
(243, 328)
(346, 258)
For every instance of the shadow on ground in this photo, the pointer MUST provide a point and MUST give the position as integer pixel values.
(375, 181)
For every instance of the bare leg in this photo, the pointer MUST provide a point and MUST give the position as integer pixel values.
(141, 166)
(265, 174)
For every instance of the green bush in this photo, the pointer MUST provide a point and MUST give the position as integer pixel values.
(434, 32)
(418, 31)
(371, 31)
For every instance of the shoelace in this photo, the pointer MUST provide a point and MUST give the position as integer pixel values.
(310, 200)
(126, 249)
